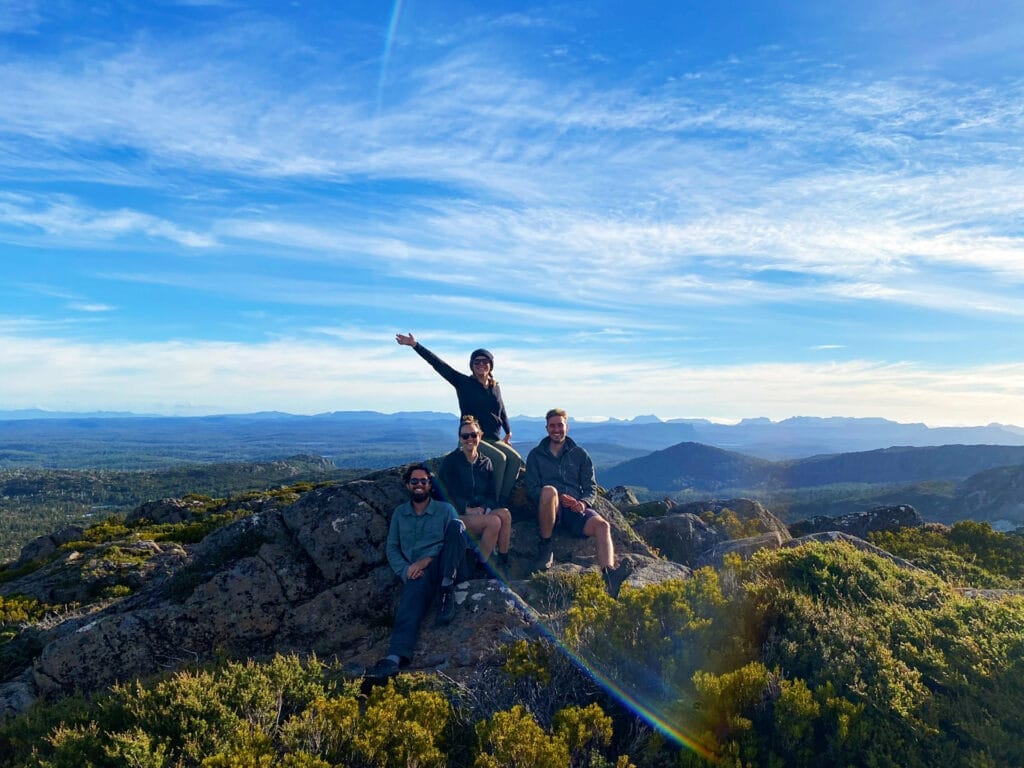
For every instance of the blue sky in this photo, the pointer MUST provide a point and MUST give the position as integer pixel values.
(717, 210)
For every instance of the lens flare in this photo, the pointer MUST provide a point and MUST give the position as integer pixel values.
(646, 711)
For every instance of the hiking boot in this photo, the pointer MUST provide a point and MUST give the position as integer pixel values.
(545, 558)
(445, 606)
(613, 578)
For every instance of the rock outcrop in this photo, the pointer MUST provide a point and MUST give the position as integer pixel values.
(701, 533)
(860, 524)
(309, 577)
(312, 577)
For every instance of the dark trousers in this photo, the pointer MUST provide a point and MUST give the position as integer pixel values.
(417, 594)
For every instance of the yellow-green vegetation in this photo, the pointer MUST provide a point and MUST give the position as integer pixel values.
(18, 608)
(19, 641)
(728, 521)
(818, 655)
(968, 554)
(298, 714)
(531, 661)
(34, 502)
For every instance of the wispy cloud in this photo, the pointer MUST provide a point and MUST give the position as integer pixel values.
(63, 220)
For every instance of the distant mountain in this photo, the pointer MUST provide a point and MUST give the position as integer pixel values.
(692, 466)
(901, 464)
(995, 496)
(792, 438)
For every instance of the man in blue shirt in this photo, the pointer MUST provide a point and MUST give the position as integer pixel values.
(427, 550)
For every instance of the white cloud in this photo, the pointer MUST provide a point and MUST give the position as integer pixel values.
(91, 307)
(370, 371)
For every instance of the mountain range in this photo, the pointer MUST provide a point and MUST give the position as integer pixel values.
(369, 439)
(701, 467)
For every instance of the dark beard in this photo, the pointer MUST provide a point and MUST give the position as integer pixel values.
(419, 493)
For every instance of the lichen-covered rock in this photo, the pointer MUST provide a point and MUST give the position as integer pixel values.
(105, 649)
(650, 509)
(77, 577)
(343, 529)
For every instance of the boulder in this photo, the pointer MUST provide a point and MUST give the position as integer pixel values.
(622, 497)
(747, 511)
(16, 696)
(650, 509)
(166, 511)
(44, 546)
(680, 537)
(860, 524)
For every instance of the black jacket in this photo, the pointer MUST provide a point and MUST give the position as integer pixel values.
(474, 398)
(467, 485)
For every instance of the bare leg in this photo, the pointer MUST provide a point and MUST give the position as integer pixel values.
(601, 532)
(505, 533)
(546, 510)
(485, 530)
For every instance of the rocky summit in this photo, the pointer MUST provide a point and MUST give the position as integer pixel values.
(309, 575)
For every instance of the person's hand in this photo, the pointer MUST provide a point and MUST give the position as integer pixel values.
(507, 440)
(571, 502)
(406, 340)
(416, 570)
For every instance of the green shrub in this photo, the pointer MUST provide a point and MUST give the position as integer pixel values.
(529, 660)
(969, 554)
(513, 739)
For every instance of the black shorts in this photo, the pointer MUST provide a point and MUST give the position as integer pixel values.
(572, 521)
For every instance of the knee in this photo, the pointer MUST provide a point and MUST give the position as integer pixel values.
(503, 515)
(599, 526)
(548, 493)
(492, 523)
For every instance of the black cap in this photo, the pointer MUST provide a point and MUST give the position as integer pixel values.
(481, 353)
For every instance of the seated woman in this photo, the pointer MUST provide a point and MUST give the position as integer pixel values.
(467, 482)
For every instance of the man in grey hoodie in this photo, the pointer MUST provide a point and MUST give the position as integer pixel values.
(560, 481)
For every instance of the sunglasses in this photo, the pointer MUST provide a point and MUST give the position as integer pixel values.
(481, 361)
(469, 435)
(419, 480)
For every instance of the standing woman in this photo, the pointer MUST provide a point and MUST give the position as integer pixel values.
(466, 481)
(480, 396)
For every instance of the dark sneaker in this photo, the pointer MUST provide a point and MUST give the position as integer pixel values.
(445, 606)
(545, 558)
(613, 578)
(383, 669)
